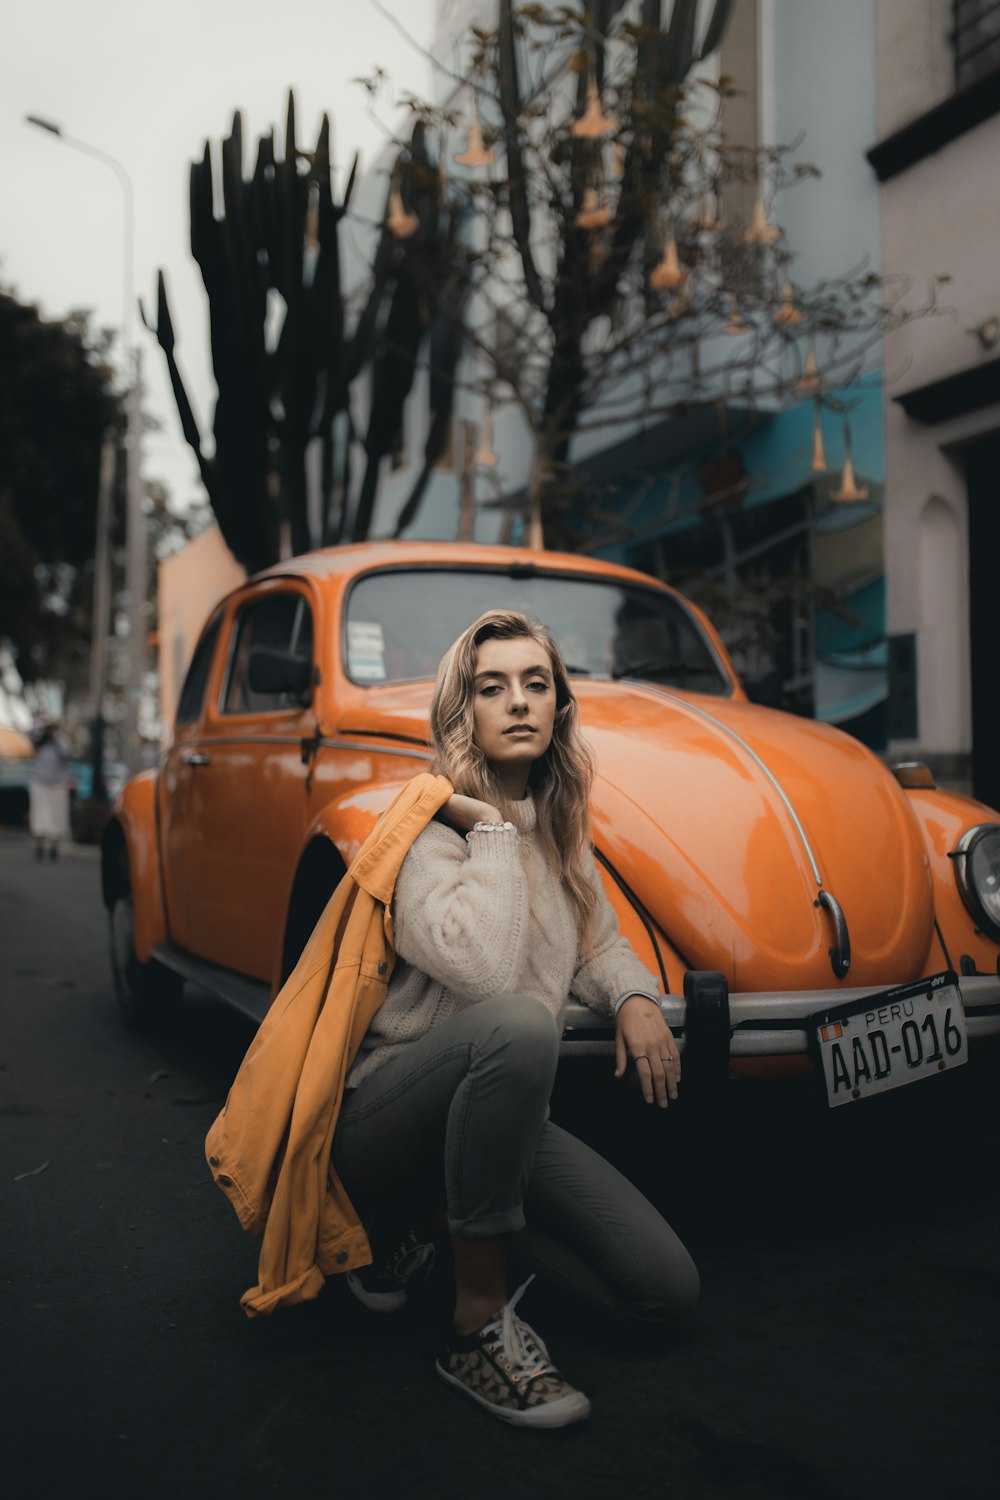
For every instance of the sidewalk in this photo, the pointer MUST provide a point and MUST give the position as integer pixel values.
(18, 838)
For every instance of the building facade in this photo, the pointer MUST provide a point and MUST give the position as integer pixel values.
(935, 158)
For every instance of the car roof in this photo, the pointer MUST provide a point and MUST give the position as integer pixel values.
(361, 556)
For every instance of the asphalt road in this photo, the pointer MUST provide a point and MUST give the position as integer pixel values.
(845, 1348)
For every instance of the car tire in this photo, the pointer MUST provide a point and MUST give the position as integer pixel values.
(143, 991)
(320, 872)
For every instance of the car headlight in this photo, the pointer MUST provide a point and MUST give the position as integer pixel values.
(977, 871)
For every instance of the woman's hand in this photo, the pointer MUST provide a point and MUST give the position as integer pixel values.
(643, 1035)
(463, 813)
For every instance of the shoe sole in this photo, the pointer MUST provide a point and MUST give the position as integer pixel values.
(561, 1413)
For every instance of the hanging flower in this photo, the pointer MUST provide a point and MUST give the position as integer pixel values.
(399, 223)
(593, 123)
(669, 273)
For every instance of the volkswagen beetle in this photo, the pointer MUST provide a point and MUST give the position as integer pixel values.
(806, 908)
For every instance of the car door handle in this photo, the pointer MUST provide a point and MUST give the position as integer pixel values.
(195, 758)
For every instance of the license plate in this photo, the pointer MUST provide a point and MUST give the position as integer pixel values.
(892, 1038)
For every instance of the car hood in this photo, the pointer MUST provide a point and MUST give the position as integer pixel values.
(755, 812)
(727, 820)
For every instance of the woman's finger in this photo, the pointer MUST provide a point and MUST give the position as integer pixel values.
(644, 1071)
(652, 1079)
(659, 1079)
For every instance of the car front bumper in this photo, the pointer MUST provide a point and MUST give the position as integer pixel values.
(766, 1026)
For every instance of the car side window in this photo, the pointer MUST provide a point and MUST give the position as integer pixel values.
(278, 622)
(193, 691)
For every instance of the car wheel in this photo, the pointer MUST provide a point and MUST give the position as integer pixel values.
(142, 991)
(317, 878)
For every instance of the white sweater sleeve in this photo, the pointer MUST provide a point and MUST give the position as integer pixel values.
(461, 909)
(611, 968)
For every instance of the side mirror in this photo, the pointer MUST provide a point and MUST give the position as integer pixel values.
(276, 673)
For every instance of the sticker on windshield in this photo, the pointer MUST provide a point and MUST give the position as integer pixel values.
(365, 651)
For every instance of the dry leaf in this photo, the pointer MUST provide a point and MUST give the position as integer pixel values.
(33, 1173)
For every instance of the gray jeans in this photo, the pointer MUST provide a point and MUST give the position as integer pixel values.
(462, 1114)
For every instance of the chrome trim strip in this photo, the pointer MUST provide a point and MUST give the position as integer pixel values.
(792, 1009)
(331, 744)
(236, 739)
(757, 1043)
(386, 734)
(789, 1007)
(296, 740)
(704, 714)
(840, 953)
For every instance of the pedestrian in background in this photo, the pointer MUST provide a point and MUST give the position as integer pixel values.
(49, 790)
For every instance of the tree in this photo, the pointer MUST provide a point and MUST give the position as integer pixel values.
(604, 266)
(56, 403)
(270, 259)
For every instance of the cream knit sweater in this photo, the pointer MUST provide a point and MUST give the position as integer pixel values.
(476, 919)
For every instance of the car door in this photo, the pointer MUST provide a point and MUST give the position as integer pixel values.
(251, 795)
(178, 782)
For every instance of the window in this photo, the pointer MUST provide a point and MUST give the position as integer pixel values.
(977, 40)
(193, 691)
(399, 624)
(278, 622)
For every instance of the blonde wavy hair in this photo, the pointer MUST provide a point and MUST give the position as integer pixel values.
(560, 780)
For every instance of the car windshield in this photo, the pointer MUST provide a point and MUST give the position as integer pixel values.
(399, 623)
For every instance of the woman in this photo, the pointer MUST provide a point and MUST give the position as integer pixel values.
(498, 915)
(48, 812)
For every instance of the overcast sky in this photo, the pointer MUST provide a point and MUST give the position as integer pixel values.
(148, 82)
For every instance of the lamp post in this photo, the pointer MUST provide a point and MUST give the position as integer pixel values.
(135, 529)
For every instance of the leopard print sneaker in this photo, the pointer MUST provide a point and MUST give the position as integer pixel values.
(505, 1367)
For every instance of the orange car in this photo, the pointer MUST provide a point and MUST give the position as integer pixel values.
(805, 907)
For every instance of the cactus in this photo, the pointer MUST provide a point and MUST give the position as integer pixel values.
(273, 402)
(429, 285)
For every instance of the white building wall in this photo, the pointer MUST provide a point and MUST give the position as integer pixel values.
(819, 63)
(940, 216)
(914, 59)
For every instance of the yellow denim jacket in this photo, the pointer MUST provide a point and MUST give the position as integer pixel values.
(269, 1149)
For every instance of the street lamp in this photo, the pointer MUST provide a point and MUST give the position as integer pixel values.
(135, 530)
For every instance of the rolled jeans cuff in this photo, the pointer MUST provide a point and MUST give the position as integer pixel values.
(508, 1221)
